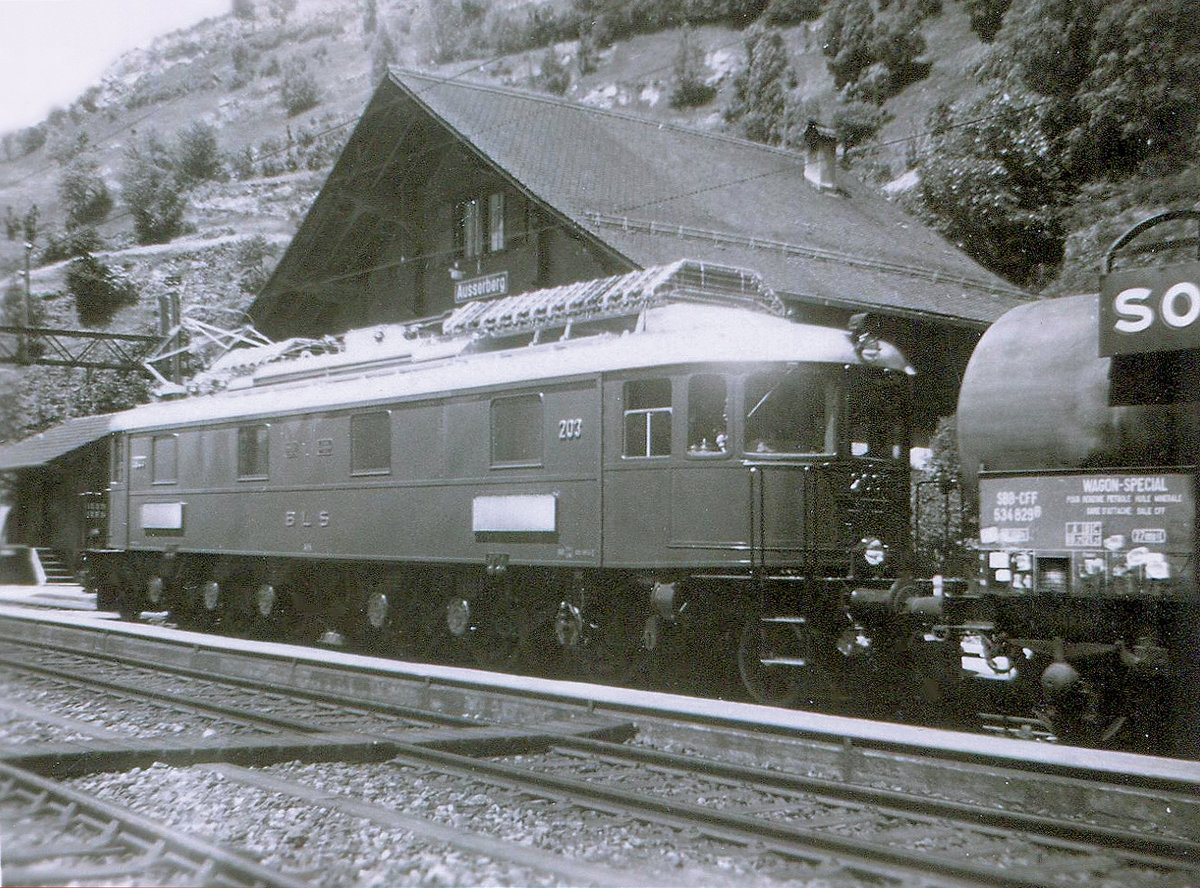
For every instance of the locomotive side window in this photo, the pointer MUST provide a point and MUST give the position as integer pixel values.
(164, 458)
(253, 451)
(517, 431)
(793, 409)
(707, 417)
(648, 417)
(371, 443)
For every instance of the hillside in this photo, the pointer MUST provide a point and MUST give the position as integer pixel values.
(231, 74)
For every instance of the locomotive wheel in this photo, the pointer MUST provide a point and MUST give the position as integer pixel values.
(610, 650)
(807, 677)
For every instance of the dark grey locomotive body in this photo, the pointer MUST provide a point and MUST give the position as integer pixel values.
(531, 492)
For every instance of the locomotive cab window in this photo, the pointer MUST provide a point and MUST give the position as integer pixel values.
(878, 415)
(517, 431)
(164, 458)
(793, 409)
(647, 418)
(253, 451)
(708, 419)
(371, 443)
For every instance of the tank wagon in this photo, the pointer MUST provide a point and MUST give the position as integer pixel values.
(545, 479)
(1079, 419)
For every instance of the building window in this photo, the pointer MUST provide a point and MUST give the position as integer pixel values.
(118, 458)
(495, 223)
(253, 451)
(707, 418)
(371, 443)
(164, 457)
(517, 431)
(647, 418)
(479, 226)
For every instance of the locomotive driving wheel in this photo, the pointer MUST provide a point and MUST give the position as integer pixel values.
(605, 642)
(783, 662)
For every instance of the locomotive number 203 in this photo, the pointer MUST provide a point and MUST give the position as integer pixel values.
(570, 428)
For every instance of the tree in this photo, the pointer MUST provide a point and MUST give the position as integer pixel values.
(1124, 76)
(281, 10)
(995, 187)
(383, 53)
(848, 40)
(198, 157)
(759, 106)
(690, 88)
(986, 16)
(84, 193)
(298, 88)
(98, 290)
(153, 192)
(790, 12)
(31, 224)
(370, 16)
(244, 10)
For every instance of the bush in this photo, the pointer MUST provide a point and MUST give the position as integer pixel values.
(552, 76)
(85, 196)
(690, 88)
(298, 88)
(98, 290)
(790, 12)
(198, 157)
(71, 244)
(856, 122)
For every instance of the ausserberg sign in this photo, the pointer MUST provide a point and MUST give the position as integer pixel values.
(1150, 310)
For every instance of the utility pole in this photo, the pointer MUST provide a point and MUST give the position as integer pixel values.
(22, 343)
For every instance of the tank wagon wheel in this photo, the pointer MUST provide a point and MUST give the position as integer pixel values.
(785, 663)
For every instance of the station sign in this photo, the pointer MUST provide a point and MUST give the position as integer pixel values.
(485, 287)
(1150, 310)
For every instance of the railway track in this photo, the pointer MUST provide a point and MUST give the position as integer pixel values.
(55, 835)
(556, 793)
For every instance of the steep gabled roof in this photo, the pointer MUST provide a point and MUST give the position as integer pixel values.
(656, 191)
(649, 193)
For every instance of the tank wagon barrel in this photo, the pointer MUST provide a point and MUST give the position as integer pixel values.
(1081, 428)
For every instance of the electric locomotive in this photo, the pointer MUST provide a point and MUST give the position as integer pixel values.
(548, 481)
(1079, 418)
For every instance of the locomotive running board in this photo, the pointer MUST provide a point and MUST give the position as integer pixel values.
(784, 661)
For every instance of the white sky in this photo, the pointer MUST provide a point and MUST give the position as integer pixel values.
(52, 50)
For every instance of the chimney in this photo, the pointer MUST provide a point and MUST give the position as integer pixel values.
(820, 157)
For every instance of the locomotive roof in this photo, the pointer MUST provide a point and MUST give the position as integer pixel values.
(671, 334)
